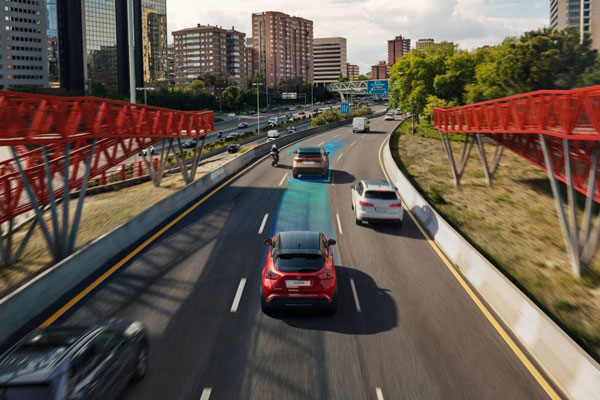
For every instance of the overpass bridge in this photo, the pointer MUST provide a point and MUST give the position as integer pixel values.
(351, 88)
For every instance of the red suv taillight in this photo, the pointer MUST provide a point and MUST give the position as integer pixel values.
(326, 275)
(365, 204)
(396, 205)
(271, 275)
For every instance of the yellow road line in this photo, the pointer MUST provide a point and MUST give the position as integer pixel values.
(152, 238)
(490, 317)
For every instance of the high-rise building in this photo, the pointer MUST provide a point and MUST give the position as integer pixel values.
(151, 43)
(380, 71)
(329, 55)
(52, 40)
(578, 13)
(94, 45)
(352, 71)
(284, 45)
(397, 47)
(209, 49)
(251, 61)
(23, 49)
(422, 43)
(248, 42)
(171, 64)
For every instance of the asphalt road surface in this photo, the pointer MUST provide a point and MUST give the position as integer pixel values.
(405, 328)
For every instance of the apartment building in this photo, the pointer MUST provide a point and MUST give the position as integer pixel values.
(23, 47)
(329, 55)
(284, 46)
(397, 47)
(422, 43)
(209, 49)
(579, 13)
(380, 70)
(251, 61)
(352, 71)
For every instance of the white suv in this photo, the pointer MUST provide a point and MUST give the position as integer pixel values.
(376, 201)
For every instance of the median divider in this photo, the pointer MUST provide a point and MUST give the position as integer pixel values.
(573, 371)
(26, 304)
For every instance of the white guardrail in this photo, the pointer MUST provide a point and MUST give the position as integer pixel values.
(575, 373)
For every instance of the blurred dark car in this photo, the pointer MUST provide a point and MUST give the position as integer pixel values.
(242, 125)
(233, 148)
(274, 109)
(188, 144)
(78, 362)
(251, 112)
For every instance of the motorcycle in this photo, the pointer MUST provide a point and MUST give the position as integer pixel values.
(220, 135)
(274, 158)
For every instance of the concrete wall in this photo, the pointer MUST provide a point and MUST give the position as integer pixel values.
(30, 300)
(569, 366)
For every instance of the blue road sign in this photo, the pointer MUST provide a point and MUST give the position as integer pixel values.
(345, 108)
(378, 87)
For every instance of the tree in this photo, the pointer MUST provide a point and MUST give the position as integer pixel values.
(433, 102)
(232, 97)
(195, 86)
(362, 78)
(343, 78)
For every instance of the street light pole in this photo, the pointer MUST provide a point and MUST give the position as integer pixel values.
(145, 90)
(258, 85)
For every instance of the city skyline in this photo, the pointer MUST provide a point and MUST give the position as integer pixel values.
(470, 23)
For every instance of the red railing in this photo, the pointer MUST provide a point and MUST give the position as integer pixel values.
(517, 122)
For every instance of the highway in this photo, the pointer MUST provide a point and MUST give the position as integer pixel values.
(405, 328)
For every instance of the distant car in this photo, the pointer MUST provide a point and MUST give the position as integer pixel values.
(144, 152)
(94, 362)
(292, 108)
(300, 112)
(376, 201)
(289, 115)
(360, 124)
(398, 111)
(311, 160)
(290, 119)
(233, 135)
(274, 109)
(251, 112)
(315, 109)
(188, 144)
(264, 111)
(291, 129)
(231, 115)
(272, 134)
(299, 272)
(322, 109)
(242, 125)
(389, 116)
(233, 148)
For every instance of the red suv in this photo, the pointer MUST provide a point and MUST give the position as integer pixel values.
(299, 272)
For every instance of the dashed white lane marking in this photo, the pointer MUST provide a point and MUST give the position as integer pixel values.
(320, 144)
(355, 295)
(262, 225)
(205, 394)
(283, 179)
(339, 134)
(353, 143)
(238, 296)
(340, 156)
(339, 223)
(379, 393)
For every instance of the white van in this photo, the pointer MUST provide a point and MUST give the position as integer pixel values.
(272, 134)
(360, 124)
(274, 120)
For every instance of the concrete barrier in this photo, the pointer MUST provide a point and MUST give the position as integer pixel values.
(575, 373)
(26, 303)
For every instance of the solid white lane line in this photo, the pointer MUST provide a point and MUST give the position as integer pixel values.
(262, 225)
(238, 295)
(340, 156)
(379, 393)
(283, 179)
(205, 394)
(339, 223)
(355, 295)
(320, 144)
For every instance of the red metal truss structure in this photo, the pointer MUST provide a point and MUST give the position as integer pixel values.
(557, 130)
(71, 140)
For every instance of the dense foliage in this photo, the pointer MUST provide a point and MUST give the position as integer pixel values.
(441, 75)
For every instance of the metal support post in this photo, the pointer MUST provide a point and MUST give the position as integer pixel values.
(457, 172)
(75, 226)
(489, 170)
(65, 216)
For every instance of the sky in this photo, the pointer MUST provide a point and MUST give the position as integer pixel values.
(368, 24)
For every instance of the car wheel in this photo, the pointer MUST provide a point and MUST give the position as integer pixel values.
(295, 174)
(141, 366)
(358, 221)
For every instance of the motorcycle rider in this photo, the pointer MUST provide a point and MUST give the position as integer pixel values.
(220, 134)
(275, 152)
